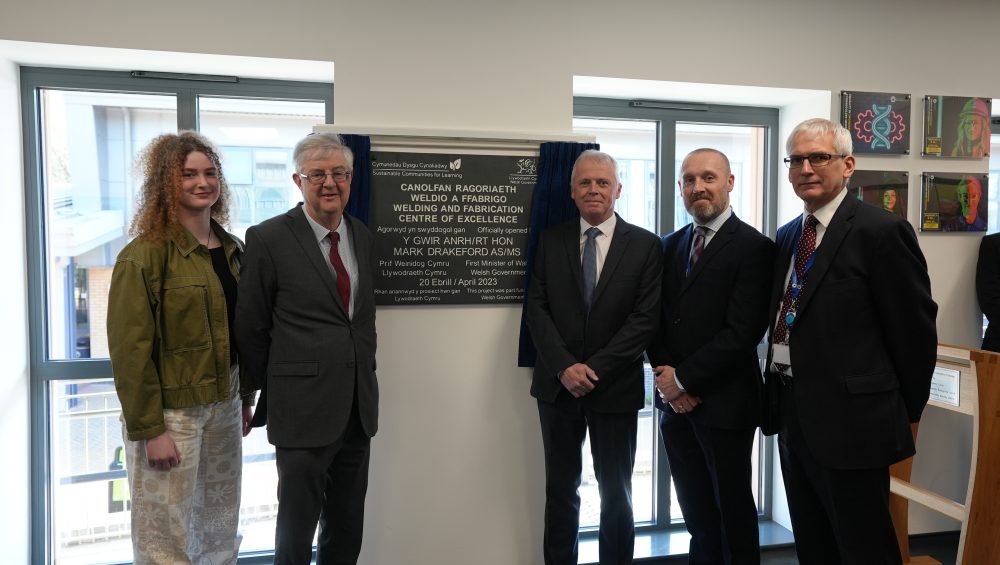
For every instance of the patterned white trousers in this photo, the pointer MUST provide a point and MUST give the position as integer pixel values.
(190, 513)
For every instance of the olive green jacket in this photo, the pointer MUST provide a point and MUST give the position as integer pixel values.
(168, 331)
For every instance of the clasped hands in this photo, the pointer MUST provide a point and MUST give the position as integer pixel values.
(578, 379)
(666, 386)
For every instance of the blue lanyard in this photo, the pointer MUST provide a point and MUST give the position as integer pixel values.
(797, 287)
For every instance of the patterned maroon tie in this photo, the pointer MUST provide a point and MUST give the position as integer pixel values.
(804, 250)
(343, 279)
(697, 247)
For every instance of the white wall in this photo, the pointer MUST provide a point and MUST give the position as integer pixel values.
(457, 468)
(13, 332)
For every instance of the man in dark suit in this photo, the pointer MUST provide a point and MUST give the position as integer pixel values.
(305, 328)
(716, 282)
(853, 347)
(592, 309)
(988, 288)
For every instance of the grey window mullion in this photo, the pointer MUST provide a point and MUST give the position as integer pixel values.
(771, 172)
(663, 502)
(34, 222)
(187, 109)
(667, 148)
(72, 369)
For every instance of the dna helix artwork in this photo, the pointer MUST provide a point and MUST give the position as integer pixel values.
(879, 126)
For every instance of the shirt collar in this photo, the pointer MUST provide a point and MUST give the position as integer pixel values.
(607, 227)
(321, 231)
(825, 214)
(186, 242)
(716, 223)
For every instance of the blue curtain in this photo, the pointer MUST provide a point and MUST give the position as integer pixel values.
(359, 203)
(550, 205)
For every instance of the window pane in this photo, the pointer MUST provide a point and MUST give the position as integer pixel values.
(90, 494)
(256, 138)
(633, 144)
(642, 474)
(89, 141)
(745, 148)
(90, 518)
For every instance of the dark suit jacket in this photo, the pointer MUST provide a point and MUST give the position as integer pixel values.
(622, 316)
(988, 288)
(713, 319)
(864, 342)
(295, 339)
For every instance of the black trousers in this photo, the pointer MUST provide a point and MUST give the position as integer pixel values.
(712, 475)
(839, 516)
(327, 485)
(612, 442)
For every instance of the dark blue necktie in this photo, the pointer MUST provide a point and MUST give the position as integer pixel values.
(590, 266)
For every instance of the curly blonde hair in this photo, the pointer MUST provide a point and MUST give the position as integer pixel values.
(162, 166)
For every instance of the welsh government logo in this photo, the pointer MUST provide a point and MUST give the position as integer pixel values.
(527, 166)
(455, 165)
(879, 126)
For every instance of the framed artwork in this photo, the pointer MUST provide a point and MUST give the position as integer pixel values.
(879, 122)
(888, 190)
(956, 126)
(954, 202)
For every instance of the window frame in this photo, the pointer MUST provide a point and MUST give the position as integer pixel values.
(667, 115)
(187, 88)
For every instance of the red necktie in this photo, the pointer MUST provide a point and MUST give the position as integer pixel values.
(804, 250)
(343, 280)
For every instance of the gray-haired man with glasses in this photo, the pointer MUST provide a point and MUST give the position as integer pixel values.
(305, 328)
(852, 349)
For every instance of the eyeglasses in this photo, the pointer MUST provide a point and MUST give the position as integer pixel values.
(815, 160)
(319, 177)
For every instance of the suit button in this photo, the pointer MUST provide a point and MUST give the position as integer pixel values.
(677, 321)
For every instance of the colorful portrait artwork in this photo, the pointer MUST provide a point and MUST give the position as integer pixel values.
(879, 122)
(957, 126)
(887, 190)
(954, 202)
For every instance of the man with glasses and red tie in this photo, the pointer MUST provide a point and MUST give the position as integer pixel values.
(852, 349)
(305, 328)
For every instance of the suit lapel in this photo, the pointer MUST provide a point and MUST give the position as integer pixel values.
(362, 254)
(571, 241)
(306, 238)
(620, 241)
(721, 239)
(678, 266)
(835, 233)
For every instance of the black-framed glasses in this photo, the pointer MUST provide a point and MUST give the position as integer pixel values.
(815, 159)
(319, 177)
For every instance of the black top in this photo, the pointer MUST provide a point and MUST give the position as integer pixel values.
(228, 282)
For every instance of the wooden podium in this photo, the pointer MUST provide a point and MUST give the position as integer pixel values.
(978, 396)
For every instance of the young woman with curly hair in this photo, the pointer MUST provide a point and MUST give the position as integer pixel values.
(170, 315)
